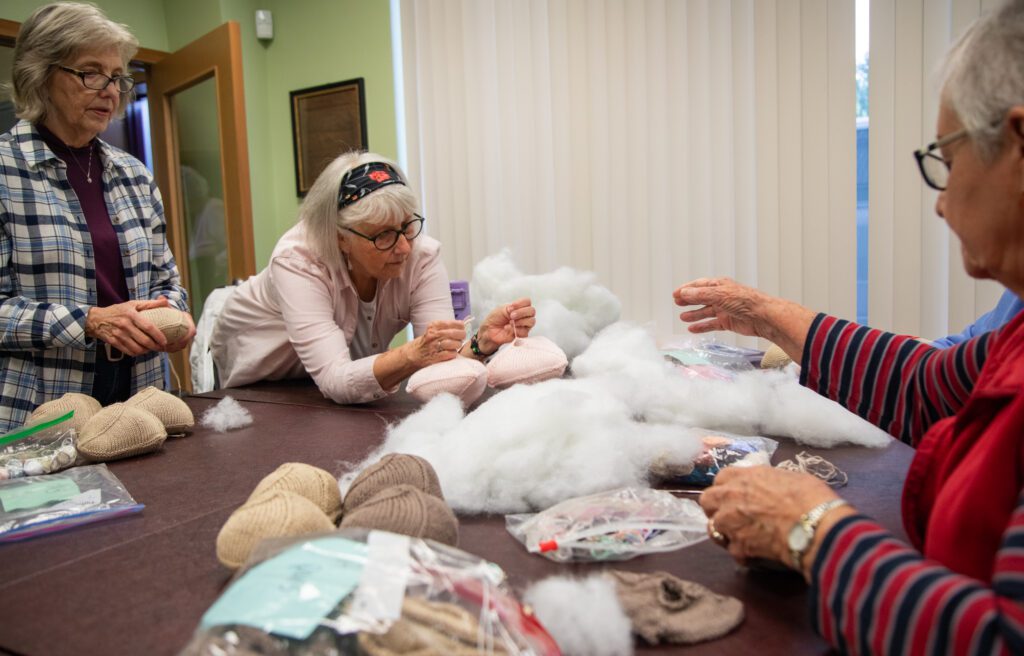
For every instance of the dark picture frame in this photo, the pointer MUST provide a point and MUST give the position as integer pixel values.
(327, 120)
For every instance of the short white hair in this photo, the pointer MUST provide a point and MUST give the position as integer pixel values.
(53, 35)
(983, 75)
(321, 219)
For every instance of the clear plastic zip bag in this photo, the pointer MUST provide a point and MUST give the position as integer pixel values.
(36, 505)
(615, 525)
(42, 448)
(720, 450)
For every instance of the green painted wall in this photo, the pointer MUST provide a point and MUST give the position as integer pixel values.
(315, 42)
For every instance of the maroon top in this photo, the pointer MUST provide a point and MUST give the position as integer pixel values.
(111, 286)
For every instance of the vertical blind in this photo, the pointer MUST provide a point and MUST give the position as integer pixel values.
(649, 141)
(917, 284)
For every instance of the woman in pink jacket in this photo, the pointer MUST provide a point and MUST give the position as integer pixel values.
(352, 273)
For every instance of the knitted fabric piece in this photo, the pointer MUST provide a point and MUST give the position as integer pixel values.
(84, 406)
(120, 431)
(171, 322)
(274, 514)
(775, 358)
(664, 608)
(526, 360)
(307, 481)
(428, 628)
(406, 510)
(172, 412)
(392, 469)
(464, 377)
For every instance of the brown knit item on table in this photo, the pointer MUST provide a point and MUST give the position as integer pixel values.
(276, 513)
(84, 406)
(407, 510)
(428, 628)
(120, 431)
(775, 358)
(392, 469)
(171, 322)
(305, 480)
(663, 608)
(172, 412)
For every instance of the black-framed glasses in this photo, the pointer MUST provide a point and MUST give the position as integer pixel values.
(933, 166)
(385, 240)
(99, 81)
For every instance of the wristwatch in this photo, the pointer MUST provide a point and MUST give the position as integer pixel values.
(802, 533)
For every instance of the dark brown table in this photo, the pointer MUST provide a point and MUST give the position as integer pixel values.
(139, 584)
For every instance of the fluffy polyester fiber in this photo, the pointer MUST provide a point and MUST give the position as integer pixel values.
(584, 616)
(226, 415)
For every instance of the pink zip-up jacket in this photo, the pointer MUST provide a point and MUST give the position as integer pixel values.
(296, 318)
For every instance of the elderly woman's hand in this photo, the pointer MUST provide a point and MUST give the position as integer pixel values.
(122, 326)
(754, 509)
(505, 323)
(439, 343)
(728, 305)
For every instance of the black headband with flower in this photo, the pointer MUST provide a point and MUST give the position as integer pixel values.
(365, 179)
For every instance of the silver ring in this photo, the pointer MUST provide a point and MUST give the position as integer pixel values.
(715, 534)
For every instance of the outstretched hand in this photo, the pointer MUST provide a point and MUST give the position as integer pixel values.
(505, 323)
(122, 326)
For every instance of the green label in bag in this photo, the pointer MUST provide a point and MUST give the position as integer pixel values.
(35, 492)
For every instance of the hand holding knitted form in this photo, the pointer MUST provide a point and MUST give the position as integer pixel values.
(464, 377)
(526, 360)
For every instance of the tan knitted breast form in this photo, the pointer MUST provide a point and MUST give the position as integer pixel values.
(120, 431)
(171, 322)
(464, 377)
(526, 360)
(84, 406)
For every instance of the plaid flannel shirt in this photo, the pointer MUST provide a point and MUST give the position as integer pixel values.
(48, 276)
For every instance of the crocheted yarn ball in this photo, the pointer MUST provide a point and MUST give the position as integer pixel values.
(406, 510)
(307, 481)
(393, 469)
(120, 431)
(526, 360)
(172, 412)
(275, 514)
(464, 377)
(171, 322)
(84, 406)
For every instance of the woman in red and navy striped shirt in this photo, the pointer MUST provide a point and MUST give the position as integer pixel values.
(959, 586)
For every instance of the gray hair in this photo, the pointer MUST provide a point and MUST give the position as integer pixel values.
(983, 75)
(51, 36)
(390, 205)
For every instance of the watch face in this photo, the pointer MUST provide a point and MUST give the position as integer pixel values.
(799, 538)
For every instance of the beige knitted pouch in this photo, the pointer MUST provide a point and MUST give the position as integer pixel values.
(464, 377)
(406, 510)
(308, 481)
(774, 358)
(171, 322)
(120, 431)
(277, 513)
(84, 406)
(392, 469)
(526, 360)
(429, 628)
(174, 413)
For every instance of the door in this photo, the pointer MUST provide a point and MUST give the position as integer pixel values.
(201, 157)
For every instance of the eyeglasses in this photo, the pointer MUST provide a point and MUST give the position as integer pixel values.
(934, 167)
(385, 240)
(99, 81)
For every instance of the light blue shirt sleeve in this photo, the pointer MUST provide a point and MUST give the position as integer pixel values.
(1007, 308)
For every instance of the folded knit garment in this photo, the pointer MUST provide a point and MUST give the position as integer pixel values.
(120, 431)
(273, 514)
(393, 469)
(428, 628)
(84, 406)
(406, 510)
(526, 360)
(663, 608)
(171, 322)
(172, 412)
(464, 377)
(307, 481)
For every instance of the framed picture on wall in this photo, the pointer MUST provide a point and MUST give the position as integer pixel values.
(327, 121)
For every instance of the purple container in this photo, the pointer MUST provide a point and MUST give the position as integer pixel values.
(460, 298)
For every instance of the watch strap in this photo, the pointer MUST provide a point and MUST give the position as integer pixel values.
(810, 520)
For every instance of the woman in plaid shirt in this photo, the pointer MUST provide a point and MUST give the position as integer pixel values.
(83, 247)
(958, 587)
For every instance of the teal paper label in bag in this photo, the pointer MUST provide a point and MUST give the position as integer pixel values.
(36, 493)
(289, 594)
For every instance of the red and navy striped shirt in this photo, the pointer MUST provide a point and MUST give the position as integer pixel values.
(960, 587)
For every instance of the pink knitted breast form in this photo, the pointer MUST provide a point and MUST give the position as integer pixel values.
(526, 360)
(464, 377)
